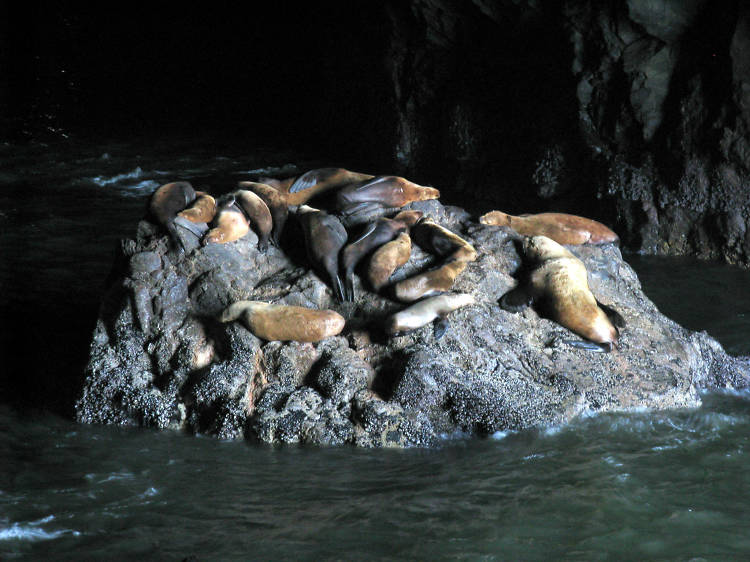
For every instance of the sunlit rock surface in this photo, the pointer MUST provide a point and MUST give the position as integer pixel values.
(160, 358)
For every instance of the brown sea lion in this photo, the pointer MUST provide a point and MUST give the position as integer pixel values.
(374, 197)
(429, 283)
(560, 227)
(229, 224)
(277, 204)
(301, 189)
(258, 214)
(409, 217)
(376, 234)
(558, 285)
(324, 238)
(274, 322)
(203, 208)
(387, 259)
(426, 311)
(168, 200)
(440, 241)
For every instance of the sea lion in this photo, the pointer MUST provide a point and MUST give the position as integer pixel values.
(409, 217)
(299, 190)
(275, 322)
(168, 200)
(442, 242)
(426, 311)
(368, 199)
(560, 227)
(376, 234)
(557, 283)
(324, 238)
(229, 224)
(277, 204)
(387, 259)
(429, 283)
(258, 214)
(203, 208)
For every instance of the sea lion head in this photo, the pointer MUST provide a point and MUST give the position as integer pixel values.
(540, 248)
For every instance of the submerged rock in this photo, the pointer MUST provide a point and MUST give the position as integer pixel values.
(160, 358)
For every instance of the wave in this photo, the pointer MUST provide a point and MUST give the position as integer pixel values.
(31, 531)
(135, 174)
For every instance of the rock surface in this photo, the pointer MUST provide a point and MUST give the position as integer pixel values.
(160, 358)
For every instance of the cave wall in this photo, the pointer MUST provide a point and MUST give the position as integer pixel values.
(634, 112)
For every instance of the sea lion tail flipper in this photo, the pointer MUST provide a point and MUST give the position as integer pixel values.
(590, 346)
(516, 299)
(615, 317)
(440, 326)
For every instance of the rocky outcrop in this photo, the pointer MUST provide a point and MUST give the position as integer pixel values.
(160, 358)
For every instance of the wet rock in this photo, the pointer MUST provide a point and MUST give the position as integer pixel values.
(491, 371)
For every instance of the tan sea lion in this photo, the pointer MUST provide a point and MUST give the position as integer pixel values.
(258, 214)
(557, 283)
(274, 322)
(324, 238)
(375, 235)
(277, 204)
(377, 196)
(440, 241)
(387, 259)
(229, 224)
(203, 208)
(429, 283)
(299, 190)
(426, 311)
(168, 200)
(560, 227)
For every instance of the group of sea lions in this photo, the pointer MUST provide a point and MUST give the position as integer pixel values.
(555, 281)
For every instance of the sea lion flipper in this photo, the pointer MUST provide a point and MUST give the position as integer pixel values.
(197, 228)
(615, 317)
(516, 299)
(440, 326)
(590, 345)
(339, 289)
(305, 181)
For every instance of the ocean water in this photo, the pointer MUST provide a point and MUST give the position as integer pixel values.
(649, 485)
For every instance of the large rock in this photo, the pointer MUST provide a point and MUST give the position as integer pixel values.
(160, 358)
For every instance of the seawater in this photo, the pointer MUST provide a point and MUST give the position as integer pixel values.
(644, 485)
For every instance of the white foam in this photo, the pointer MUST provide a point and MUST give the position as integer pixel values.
(104, 180)
(31, 531)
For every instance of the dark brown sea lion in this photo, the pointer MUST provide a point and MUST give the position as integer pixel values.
(387, 259)
(560, 227)
(440, 241)
(229, 224)
(168, 200)
(273, 322)
(203, 208)
(258, 214)
(557, 283)
(376, 234)
(324, 238)
(377, 196)
(430, 282)
(301, 189)
(277, 204)
(426, 311)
